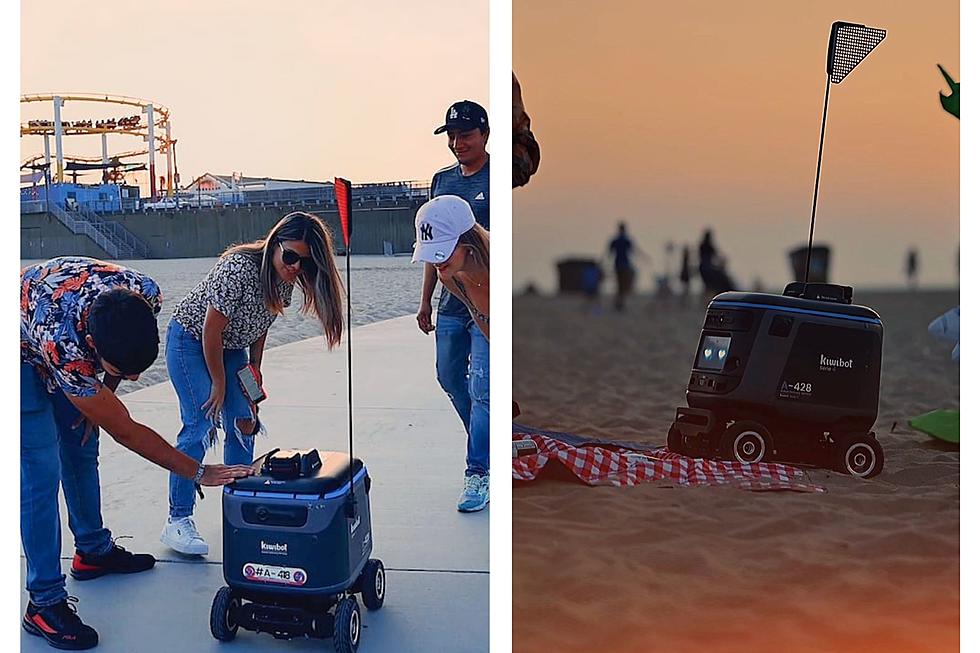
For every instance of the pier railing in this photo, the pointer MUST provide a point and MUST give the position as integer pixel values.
(129, 245)
(377, 194)
(84, 227)
(117, 241)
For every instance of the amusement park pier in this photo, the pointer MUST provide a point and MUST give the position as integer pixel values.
(110, 218)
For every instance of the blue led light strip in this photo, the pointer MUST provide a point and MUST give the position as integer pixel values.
(786, 309)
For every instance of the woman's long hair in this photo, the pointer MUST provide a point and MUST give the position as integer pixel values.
(477, 240)
(323, 291)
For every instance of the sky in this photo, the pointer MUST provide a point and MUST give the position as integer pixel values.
(291, 89)
(679, 116)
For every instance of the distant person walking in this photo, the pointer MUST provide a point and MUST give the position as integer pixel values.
(711, 266)
(462, 348)
(591, 279)
(912, 267)
(685, 274)
(220, 327)
(622, 249)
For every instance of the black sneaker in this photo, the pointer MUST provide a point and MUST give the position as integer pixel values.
(60, 626)
(117, 560)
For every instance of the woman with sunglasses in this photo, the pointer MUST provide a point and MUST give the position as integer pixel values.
(221, 326)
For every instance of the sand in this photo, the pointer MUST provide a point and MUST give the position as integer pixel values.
(867, 566)
(384, 287)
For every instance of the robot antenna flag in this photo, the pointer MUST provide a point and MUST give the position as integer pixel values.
(849, 45)
(342, 193)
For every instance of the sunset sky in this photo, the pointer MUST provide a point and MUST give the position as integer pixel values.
(677, 116)
(291, 89)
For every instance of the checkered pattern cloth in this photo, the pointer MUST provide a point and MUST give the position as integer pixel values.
(613, 464)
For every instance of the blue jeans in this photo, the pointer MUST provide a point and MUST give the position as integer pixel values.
(190, 377)
(51, 453)
(463, 371)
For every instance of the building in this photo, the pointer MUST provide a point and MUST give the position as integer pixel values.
(99, 198)
(236, 189)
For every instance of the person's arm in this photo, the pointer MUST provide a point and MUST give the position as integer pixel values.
(480, 298)
(609, 253)
(214, 325)
(424, 316)
(106, 410)
(111, 382)
(255, 351)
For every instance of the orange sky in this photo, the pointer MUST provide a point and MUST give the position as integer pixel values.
(293, 89)
(675, 116)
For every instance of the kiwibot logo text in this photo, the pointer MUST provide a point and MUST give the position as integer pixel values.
(833, 364)
(274, 548)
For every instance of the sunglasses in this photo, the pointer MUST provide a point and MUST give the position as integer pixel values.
(289, 257)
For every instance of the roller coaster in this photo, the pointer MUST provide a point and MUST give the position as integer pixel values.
(151, 125)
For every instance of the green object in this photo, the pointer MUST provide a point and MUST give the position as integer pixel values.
(941, 424)
(951, 102)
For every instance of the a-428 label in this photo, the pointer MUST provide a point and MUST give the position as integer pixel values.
(795, 390)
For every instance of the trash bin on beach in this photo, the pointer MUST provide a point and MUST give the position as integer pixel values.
(578, 275)
(819, 263)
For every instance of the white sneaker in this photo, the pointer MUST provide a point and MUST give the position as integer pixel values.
(476, 493)
(181, 535)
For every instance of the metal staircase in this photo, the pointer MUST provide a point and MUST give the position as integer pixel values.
(117, 241)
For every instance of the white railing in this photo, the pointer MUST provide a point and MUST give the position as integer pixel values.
(129, 244)
(87, 228)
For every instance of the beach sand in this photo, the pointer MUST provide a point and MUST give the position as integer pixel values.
(384, 287)
(867, 566)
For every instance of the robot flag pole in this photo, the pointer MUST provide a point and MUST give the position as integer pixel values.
(342, 193)
(849, 45)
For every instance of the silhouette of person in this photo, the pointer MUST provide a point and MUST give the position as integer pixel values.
(622, 248)
(711, 265)
(912, 267)
(685, 275)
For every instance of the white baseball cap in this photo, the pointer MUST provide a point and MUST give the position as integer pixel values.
(438, 225)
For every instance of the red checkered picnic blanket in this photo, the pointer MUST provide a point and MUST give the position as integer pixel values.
(601, 464)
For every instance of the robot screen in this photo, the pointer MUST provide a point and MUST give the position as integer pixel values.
(713, 352)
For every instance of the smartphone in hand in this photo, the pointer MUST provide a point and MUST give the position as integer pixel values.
(248, 377)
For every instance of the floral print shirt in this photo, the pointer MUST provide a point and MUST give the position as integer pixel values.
(55, 298)
(234, 289)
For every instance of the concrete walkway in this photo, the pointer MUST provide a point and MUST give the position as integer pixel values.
(414, 447)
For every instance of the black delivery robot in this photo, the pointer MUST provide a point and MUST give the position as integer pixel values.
(792, 377)
(297, 535)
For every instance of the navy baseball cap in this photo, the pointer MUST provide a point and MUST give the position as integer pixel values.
(464, 116)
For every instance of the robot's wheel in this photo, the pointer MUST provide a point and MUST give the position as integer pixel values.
(746, 442)
(860, 455)
(675, 441)
(372, 584)
(347, 625)
(224, 614)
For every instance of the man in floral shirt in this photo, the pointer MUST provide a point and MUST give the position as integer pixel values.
(81, 318)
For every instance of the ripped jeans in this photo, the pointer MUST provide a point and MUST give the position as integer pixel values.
(190, 377)
(463, 371)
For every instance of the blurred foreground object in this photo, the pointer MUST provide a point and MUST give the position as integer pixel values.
(527, 153)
